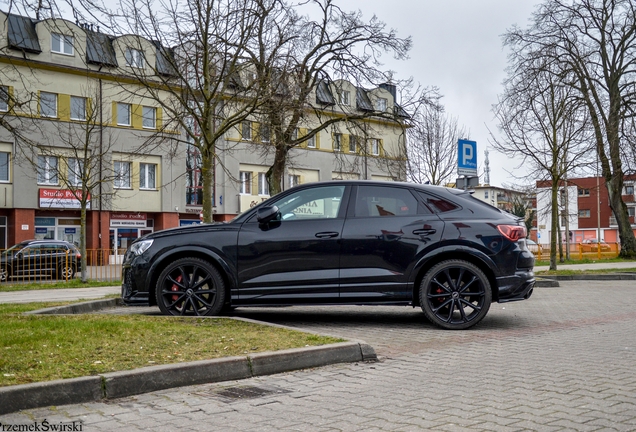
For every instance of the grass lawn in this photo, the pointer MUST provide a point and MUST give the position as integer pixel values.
(47, 347)
(74, 283)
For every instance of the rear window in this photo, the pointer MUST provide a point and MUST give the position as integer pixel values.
(437, 204)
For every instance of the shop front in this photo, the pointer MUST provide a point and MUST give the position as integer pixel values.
(124, 228)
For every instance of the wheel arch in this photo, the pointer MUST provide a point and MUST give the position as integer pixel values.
(479, 259)
(225, 270)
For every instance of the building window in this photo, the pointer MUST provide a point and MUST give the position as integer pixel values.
(75, 170)
(631, 211)
(294, 180)
(61, 44)
(123, 114)
(4, 166)
(311, 142)
(584, 213)
(584, 192)
(263, 186)
(48, 104)
(380, 104)
(4, 98)
(345, 97)
(353, 141)
(375, 147)
(246, 131)
(122, 174)
(194, 179)
(629, 189)
(47, 170)
(246, 182)
(134, 58)
(149, 117)
(264, 133)
(78, 108)
(147, 176)
(485, 194)
(337, 142)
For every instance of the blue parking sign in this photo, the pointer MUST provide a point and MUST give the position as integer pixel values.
(466, 157)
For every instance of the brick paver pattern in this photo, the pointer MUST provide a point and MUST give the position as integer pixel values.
(565, 360)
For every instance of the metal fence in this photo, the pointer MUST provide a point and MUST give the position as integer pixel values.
(56, 265)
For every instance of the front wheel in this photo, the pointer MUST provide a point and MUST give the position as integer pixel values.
(5, 273)
(190, 286)
(455, 295)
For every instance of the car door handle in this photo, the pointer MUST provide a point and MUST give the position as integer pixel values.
(326, 234)
(424, 231)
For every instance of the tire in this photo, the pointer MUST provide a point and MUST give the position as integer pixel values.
(455, 295)
(66, 272)
(190, 286)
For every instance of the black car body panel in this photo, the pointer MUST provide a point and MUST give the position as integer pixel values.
(355, 242)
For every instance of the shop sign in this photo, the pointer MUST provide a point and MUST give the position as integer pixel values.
(186, 222)
(70, 230)
(61, 198)
(194, 210)
(41, 230)
(133, 220)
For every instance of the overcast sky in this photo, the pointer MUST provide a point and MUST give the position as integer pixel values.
(457, 47)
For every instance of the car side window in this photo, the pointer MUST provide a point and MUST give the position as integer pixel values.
(438, 205)
(382, 201)
(314, 203)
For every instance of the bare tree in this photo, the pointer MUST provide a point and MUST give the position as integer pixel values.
(432, 146)
(595, 42)
(303, 64)
(196, 71)
(542, 121)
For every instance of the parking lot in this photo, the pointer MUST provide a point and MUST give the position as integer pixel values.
(563, 360)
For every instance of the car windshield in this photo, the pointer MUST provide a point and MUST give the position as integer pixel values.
(13, 249)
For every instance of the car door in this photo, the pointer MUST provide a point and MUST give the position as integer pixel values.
(294, 259)
(386, 230)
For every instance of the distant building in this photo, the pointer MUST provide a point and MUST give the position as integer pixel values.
(588, 211)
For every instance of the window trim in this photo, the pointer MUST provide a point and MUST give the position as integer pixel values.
(77, 169)
(345, 97)
(134, 58)
(4, 98)
(263, 186)
(84, 112)
(64, 41)
(42, 114)
(119, 174)
(381, 104)
(8, 179)
(586, 213)
(245, 182)
(144, 174)
(153, 110)
(119, 111)
(337, 142)
(48, 175)
(353, 140)
(375, 147)
(246, 130)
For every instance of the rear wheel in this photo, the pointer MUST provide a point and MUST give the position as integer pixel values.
(190, 286)
(66, 271)
(455, 295)
(5, 273)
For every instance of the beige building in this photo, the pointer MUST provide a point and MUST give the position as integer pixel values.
(67, 89)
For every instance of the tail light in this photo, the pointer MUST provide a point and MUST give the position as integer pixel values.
(512, 232)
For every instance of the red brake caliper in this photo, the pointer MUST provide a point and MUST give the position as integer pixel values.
(176, 288)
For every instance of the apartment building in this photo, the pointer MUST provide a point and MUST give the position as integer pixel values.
(59, 80)
(587, 211)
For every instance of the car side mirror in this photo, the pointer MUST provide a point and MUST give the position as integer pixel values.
(267, 214)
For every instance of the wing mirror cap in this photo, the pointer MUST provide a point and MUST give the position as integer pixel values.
(267, 214)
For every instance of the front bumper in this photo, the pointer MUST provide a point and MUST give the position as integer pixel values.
(130, 294)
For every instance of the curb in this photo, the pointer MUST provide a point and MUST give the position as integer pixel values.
(152, 378)
(544, 282)
(599, 277)
(78, 308)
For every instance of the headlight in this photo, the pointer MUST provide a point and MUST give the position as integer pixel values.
(141, 246)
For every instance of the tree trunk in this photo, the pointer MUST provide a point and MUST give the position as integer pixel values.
(554, 226)
(625, 232)
(83, 237)
(276, 172)
(207, 173)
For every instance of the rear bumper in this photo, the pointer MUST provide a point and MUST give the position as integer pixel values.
(516, 287)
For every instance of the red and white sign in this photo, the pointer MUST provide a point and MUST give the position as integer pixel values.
(137, 220)
(62, 198)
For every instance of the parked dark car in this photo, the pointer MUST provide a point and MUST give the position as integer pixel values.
(340, 242)
(34, 258)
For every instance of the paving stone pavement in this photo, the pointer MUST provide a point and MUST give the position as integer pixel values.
(565, 360)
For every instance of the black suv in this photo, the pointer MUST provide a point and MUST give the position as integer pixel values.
(340, 242)
(32, 258)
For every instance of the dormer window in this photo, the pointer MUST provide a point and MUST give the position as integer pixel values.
(61, 44)
(345, 97)
(380, 104)
(134, 58)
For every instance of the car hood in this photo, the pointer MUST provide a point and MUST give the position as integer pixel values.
(190, 229)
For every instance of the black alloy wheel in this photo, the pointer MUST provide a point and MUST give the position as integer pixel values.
(190, 286)
(455, 295)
